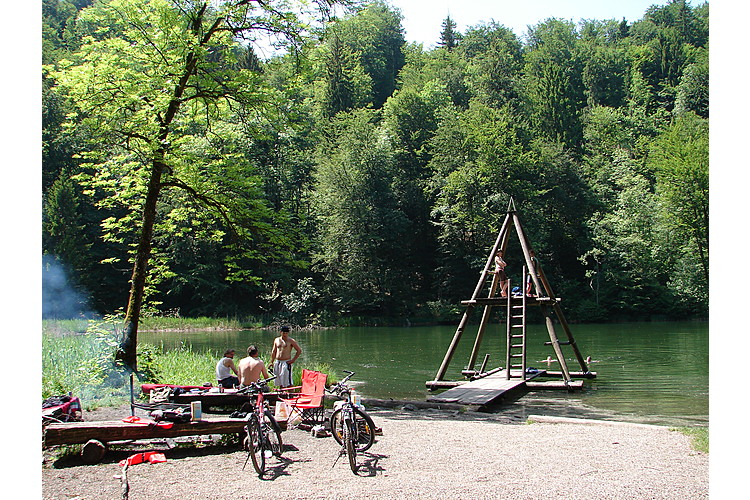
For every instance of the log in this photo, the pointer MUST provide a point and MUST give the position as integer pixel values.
(93, 451)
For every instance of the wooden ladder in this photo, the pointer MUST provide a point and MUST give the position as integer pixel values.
(515, 359)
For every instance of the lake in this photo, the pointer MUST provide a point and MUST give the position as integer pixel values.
(647, 372)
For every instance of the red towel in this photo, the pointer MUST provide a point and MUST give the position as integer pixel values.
(146, 422)
(152, 457)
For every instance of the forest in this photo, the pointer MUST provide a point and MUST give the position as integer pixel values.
(300, 161)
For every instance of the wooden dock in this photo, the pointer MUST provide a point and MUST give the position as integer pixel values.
(484, 390)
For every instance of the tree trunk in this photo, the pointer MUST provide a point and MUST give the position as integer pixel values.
(127, 350)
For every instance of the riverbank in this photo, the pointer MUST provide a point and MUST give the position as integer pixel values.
(423, 453)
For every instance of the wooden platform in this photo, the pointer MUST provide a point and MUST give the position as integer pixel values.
(501, 301)
(117, 430)
(482, 391)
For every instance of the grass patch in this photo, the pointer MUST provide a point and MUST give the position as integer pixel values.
(184, 366)
(83, 364)
(160, 323)
(699, 436)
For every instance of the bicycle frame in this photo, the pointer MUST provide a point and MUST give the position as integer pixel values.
(256, 425)
(352, 428)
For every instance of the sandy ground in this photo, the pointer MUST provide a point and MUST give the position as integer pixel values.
(421, 454)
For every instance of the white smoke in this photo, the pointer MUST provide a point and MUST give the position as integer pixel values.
(60, 299)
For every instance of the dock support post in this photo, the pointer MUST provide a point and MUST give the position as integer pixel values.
(483, 324)
(452, 348)
(566, 328)
(556, 345)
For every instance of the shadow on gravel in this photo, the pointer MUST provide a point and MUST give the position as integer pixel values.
(113, 456)
(273, 471)
(370, 464)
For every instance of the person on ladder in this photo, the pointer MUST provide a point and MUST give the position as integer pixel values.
(500, 271)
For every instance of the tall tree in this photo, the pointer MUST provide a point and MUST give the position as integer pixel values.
(448, 36)
(361, 225)
(552, 82)
(372, 39)
(145, 71)
(679, 157)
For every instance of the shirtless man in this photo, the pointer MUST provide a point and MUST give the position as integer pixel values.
(252, 367)
(281, 357)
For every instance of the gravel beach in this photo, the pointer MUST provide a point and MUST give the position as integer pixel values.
(421, 454)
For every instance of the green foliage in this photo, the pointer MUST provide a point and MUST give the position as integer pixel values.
(355, 178)
(361, 226)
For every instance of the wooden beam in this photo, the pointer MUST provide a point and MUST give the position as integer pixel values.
(501, 301)
(117, 430)
(443, 384)
(452, 347)
(572, 374)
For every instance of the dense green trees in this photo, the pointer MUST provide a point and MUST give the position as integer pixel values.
(357, 175)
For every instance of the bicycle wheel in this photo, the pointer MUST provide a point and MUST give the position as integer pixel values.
(273, 433)
(255, 445)
(350, 437)
(365, 425)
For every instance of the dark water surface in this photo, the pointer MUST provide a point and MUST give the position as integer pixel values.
(647, 372)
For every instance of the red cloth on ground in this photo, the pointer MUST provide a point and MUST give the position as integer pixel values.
(152, 457)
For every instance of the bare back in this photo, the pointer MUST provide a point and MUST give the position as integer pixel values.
(251, 370)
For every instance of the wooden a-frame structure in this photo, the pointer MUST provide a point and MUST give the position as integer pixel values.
(515, 304)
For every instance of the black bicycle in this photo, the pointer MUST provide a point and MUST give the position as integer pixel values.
(263, 438)
(351, 427)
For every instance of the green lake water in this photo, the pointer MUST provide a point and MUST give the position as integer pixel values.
(647, 372)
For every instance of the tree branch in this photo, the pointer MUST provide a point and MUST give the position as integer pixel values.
(207, 200)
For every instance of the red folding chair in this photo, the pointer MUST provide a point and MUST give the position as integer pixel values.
(308, 402)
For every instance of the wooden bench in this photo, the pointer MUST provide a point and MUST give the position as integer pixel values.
(117, 430)
(96, 434)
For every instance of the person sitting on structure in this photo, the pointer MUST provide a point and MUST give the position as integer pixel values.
(224, 369)
(252, 367)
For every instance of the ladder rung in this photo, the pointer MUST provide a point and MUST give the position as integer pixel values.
(516, 345)
(516, 355)
(516, 336)
(516, 326)
(519, 316)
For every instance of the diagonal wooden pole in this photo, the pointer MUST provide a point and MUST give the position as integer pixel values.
(469, 308)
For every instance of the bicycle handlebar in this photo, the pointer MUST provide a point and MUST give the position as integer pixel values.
(257, 385)
(341, 386)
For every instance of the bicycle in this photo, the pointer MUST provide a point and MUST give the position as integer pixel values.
(263, 439)
(351, 427)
